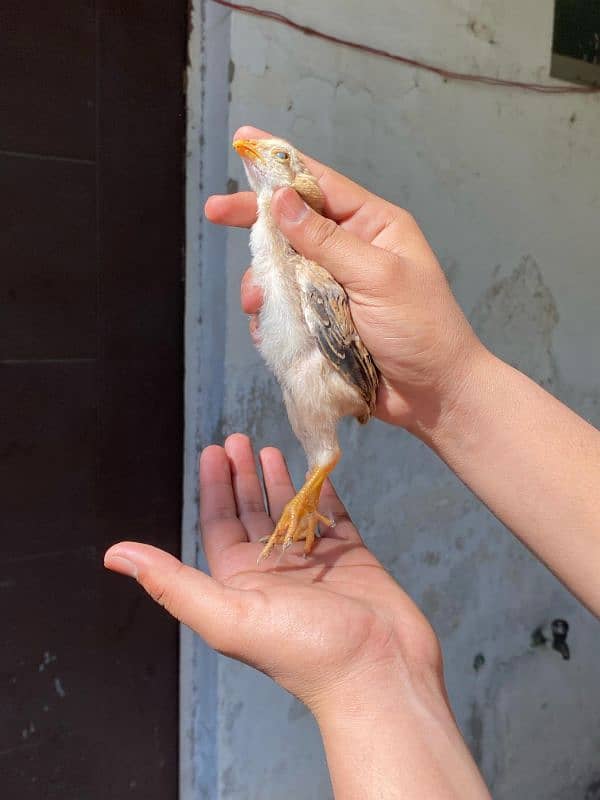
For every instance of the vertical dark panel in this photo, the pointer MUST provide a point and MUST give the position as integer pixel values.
(91, 319)
(49, 271)
(140, 148)
(141, 60)
(48, 77)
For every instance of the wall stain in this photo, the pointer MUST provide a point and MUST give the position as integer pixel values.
(229, 784)
(481, 31)
(232, 714)
(478, 662)
(475, 733)
(430, 602)
(520, 308)
(538, 639)
(593, 791)
(296, 711)
(560, 630)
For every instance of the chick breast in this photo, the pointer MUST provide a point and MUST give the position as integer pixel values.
(308, 339)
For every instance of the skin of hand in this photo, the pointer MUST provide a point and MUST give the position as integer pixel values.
(400, 300)
(335, 630)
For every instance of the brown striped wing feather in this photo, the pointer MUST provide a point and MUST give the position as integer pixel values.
(328, 317)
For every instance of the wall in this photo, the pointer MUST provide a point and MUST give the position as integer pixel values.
(504, 185)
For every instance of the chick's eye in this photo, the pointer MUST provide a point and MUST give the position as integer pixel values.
(281, 154)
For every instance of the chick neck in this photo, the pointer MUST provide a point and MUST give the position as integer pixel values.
(266, 224)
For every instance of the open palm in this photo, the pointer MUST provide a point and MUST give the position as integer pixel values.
(313, 624)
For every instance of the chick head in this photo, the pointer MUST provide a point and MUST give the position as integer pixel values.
(271, 164)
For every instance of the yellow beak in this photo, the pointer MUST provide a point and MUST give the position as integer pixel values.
(246, 148)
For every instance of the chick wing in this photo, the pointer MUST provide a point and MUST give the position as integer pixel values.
(328, 317)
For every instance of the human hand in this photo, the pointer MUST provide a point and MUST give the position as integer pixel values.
(401, 303)
(330, 628)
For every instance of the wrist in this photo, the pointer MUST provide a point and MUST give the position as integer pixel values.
(394, 738)
(380, 691)
(459, 401)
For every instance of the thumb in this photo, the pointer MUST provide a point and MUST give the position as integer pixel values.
(358, 266)
(217, 613)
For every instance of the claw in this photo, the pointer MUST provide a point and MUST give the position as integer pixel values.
(300, 518)
(287, 531)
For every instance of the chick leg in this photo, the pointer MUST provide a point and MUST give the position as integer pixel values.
(300, 518)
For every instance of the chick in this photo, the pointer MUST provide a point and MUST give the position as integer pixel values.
(307, 336)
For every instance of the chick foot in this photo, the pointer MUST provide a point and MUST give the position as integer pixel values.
(300, 518)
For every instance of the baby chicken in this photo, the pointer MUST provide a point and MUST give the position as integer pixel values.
(307, 336)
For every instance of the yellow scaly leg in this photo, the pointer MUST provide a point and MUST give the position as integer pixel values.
(300, 517)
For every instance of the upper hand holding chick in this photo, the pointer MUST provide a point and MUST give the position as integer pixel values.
(401, 303)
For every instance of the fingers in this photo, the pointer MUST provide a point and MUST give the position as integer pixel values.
(343, 197)
(220, 527)
(237, 209)
(278, 484)
(251, 300)
(358, 266)
(250, 132)
(219, 614)
(357, 209)
(251, 295)
(247, 487)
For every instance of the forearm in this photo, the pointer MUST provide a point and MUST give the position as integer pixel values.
(398, 747)
(534, 463)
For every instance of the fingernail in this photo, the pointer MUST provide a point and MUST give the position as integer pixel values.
(291, 205)
(121, 565)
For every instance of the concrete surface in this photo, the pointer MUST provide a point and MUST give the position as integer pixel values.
(505, 185)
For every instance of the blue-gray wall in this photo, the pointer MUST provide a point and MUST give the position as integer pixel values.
(505, 185)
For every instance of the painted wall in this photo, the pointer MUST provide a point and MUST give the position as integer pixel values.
(506, 186)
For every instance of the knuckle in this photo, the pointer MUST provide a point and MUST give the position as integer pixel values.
(165, 590)
(324, 232)
(406, 218)
(401, 217)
